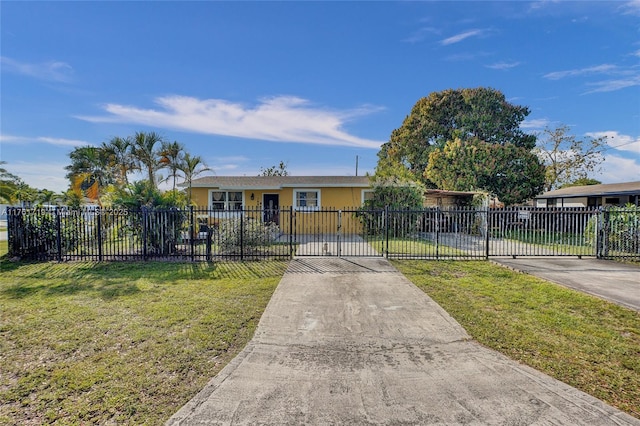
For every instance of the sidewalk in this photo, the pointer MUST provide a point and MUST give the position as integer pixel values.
(352, 341)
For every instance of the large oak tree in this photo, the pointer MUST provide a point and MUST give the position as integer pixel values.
(476, 119)
(512, 173)
(478, 113)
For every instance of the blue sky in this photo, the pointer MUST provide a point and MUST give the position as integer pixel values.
(315, 84)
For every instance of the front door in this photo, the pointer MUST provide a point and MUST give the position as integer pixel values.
(271, 205)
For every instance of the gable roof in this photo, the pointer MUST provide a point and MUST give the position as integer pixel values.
(602, 190)
(279, 182)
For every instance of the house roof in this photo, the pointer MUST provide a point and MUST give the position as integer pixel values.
(279, 182)
(625, 188)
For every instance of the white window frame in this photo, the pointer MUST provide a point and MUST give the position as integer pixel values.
(366, 191)
(306, 208)
(226, 200)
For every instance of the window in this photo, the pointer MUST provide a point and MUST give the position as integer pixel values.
(367, 194)
(612, 200)
(307, 199)
(226, 200)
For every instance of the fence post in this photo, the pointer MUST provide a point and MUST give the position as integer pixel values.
(144, 233)
(438, 218)
(487, 228)
(386, 231)
(241, 237)
(99, 235)
(339, 248)
(58, 235)
(192, 235)
(604, 241)
(291, 232)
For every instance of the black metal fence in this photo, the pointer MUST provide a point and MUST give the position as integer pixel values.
(434, 233)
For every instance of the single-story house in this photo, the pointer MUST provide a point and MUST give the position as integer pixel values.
(300, 192)
(264, 196)
(593, 196)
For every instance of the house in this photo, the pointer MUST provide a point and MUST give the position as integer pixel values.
(266, 196)
(299, 192)
(593, 196)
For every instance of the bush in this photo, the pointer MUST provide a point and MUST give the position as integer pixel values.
(621, 228)
(236, 234)
(403, 199)
(34, 233)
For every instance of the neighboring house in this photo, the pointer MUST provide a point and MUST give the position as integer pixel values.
(442, 198)
(613, 194)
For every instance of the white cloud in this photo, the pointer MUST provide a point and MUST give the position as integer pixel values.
(539, 123)
(503, 65)
(47, 175)
(598, 69)
(278, 119)
(462, 36)
(617, 169)
(619, 142)
(50, 71)
(625, 77)
(43, 139)
(631, 8)
(613, 85)
(420, 35)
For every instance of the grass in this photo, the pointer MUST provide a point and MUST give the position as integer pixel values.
(581, 340)
(120, 343)
(415, 247)
(561, 242)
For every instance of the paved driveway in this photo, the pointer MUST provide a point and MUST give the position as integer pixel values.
(613, 281)
(354, 342)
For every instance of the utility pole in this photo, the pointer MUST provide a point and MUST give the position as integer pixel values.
(356, 165)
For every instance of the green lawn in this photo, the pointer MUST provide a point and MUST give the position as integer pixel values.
(581, 340)
(120, 343)
(414, 247)
(130, 343)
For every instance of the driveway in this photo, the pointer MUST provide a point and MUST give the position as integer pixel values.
(352, 341)
(613, 281)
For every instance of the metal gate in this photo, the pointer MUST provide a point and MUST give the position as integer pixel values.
(335, 232)
(467, 233)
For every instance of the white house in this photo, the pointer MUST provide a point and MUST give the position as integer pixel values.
(608, 194)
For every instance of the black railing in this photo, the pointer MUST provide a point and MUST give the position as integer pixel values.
(195, 234)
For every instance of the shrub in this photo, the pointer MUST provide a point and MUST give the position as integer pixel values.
(245, 232)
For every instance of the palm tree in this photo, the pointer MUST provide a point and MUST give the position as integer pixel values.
(87, 170)
(119, 152)
(26, 195)
(192, 167)
(171, 156)
(46, 197)
(8, 185)
(145, 154)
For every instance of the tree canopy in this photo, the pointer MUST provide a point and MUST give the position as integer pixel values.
(568, 158)
(280, 170)
(465, 139)
(512, 173)
(103, 171)
(465, 114)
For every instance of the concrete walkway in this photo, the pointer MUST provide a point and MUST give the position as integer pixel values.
(616, 282)
(352, 341)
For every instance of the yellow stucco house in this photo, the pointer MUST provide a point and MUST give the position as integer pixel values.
(266, 197)
(299, 192)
